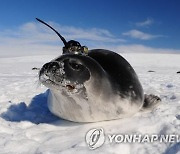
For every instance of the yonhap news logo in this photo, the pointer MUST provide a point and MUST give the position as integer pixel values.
(95, 138)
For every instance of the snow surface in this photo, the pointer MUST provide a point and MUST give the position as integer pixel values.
(27, 126)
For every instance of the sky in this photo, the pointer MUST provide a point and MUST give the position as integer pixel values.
(119, 25)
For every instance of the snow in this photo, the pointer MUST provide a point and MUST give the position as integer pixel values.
(27, 126)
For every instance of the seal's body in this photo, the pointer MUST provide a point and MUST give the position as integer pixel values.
(92, 85)
(95, 87)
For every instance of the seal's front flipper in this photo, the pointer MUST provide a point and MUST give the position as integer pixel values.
(151, 101)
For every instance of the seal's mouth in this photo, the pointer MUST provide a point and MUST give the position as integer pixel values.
(70, 87)
(64, 85)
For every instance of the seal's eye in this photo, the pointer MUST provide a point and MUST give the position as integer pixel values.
(75, 66)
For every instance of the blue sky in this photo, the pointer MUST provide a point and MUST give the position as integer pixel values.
(116, 24)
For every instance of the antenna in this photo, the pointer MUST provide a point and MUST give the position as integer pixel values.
(62, 38)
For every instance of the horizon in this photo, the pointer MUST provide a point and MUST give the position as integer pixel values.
(124, 27)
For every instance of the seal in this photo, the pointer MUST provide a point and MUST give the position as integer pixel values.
(97, 86)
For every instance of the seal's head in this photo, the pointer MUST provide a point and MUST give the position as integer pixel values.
(78, 84)
(67, 73)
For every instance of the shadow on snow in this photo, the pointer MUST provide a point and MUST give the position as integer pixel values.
(36, 112)
(173, 149)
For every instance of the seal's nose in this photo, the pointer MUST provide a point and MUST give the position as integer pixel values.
(50, 69)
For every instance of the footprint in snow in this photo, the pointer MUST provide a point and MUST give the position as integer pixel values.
(173, 97)
(178, 117)
(169, 86)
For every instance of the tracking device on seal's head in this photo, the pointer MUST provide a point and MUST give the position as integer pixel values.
(71, 46)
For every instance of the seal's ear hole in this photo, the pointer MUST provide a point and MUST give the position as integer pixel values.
(75, 65)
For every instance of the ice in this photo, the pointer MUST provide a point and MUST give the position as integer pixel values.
(27, 126)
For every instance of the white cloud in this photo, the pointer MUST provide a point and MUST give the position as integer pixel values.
(93, 34)
(140, 35)
(33, 38)
(145, 23)
(138, 48)
(37, 39)
(37, 30)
